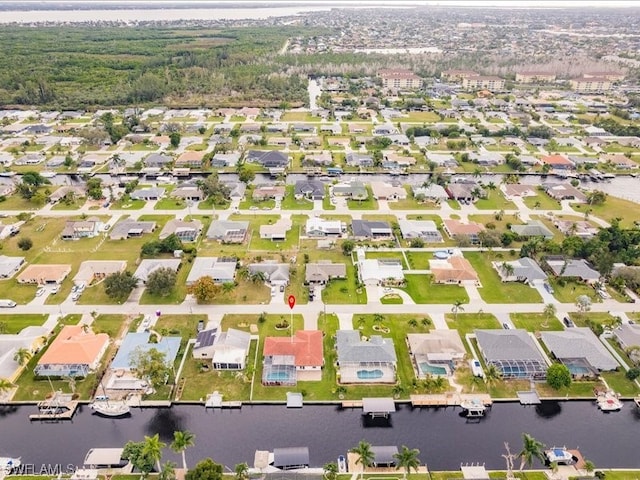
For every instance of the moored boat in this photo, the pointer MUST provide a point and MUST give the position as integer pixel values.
(342, 464)
(559, 456)
(608, 401)
(474, 407)
(7, 464)
(110, 409)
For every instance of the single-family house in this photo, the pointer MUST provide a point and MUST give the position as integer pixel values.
(226, 350)
(564, 191)
(9, 266)
(320, 273)
(371, 230)
(513, 352)
(512, 190)
(228, 231)
(426, 230)
(454, 270)
(533, 228)
(432, 192)
(191, 159)
(75, 352)
(558, 162)
(579, 347)
(75, 191)
(464, 191)
(187, 231)
(523, 269)
(365, 361)
(378, 271)
(29, 338)
(309, 189)
(77, 229)
(147, 194)
(131, 229)
(220, 160)
(289, 359)
(220, 269)
(627, 335)
(361, 160)
(319, 227)
(268, 158)
(44, 274)
(188, 192)
(276, 274)
(158, 160)
(149, 265)
(456, 229)
(387, 191)
(572, 268)
(94, 270)
(276, 232)
(436, 348)
(266, 192)
(121, 376)
(578, 228)
(354, 190)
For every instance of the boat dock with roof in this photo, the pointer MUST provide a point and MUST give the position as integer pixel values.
(449, 399)
(378, 407)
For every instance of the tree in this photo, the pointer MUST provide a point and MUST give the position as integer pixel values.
(457, 307)
(214, 189)
(492, 374)
(168, 471)
(596, 197)
(204, 289)
(583, 302)
(150, 365)
(241, 471)
(161, 281)
(152, 448)
(119, 285)
(181, 441)
(94, 188)
(347, 247)
(549, 311)
(507, 269)
(407, 458)
(632, 373)
(330, 471)
(5, 385)
(22, 356)
(245, 175)
(558, 376)
(205, 469)
(416, 243)
(174, 138)
(589, 466)
(139, 458)
(25, 243)
(365, 455)
(531, 449)
(34, 179)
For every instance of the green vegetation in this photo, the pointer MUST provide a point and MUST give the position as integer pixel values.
(468, 322)
(536, 322)
(423, 290)
(13, 324)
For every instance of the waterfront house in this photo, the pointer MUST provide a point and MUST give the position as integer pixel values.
(147, 194)
(75, 352)
(291, 358)
(360, 360)
(580, 350)
(513, 352)
(29, 338)
(309, 189)
(226, 350)
(435, 351)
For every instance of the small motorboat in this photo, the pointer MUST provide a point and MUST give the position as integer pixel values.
(637, 402)
(7, 464)
(608, 401)
(342, 464)
(474, 407)
(559, 455)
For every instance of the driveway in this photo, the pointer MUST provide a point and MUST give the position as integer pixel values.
(546, 296)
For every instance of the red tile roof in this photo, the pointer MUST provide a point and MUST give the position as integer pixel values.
(305, 346)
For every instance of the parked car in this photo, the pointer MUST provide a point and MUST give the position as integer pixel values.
(55, 289)
(506, 326)
(548, 288)
(76, 296)
(568, 322)
(40, 292)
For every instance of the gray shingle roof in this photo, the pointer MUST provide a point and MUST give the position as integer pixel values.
(512, 344)
(352, 349)
(579, 342)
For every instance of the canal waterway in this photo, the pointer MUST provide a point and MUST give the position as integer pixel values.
(444, 437)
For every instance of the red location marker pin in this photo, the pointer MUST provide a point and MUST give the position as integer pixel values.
(292, 301)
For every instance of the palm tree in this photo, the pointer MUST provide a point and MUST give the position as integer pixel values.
(181, 441)
(549, 311)
(492, 374)
(365, 455)
(407, 458)
(457, 307)
(241, 471)
(330, 471)
(22, 356)
(5, 385)
(507, 269)
(227, 287)
(531, 449)
(491, 186)
(168, 471)
(153, 448)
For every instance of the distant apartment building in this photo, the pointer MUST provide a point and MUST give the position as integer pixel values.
(611, 76)
(458, 75)
(534, 77)
(493, 84)
(398, 79)
(591, 85)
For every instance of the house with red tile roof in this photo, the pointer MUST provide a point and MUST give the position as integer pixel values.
(454, 270)
(292, 358)
(75, 352)
(558, 162)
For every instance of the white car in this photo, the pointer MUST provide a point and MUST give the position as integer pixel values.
(40, 292)
(81, 287)
(75, 296)
(55, 289)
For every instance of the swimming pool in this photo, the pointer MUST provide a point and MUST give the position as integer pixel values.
(369, 374)
(279, 377)
(427, 368)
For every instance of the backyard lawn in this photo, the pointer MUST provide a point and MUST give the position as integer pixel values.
(541, 202)
(13, 324)
(419, 260)
(535, 322)
(493, 290)
(421, 289)
(494, 201)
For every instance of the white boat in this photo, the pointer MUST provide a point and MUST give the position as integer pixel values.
(637, 401)
(48, 174)
(608, 401)
(110, 409)
(342, 464)
(7, 464)
(559, 456)
(474, 407)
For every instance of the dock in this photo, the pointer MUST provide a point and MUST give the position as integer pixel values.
(352, 404)
(214, 400)
(60, 406)
(449, 399)
(529, 397)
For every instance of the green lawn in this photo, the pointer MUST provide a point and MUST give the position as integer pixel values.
(291, 203)
(387, 256)
(568, 290)
(419, 260)
(111, 324)
(343, 291)
(494, 201)
(13, 324)
(535, 322)
(170, 204)
(468, 322)
(493, 290)
(422, 290)
(541, 202)
(628, 212)
(126, 203)
(369, 204)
